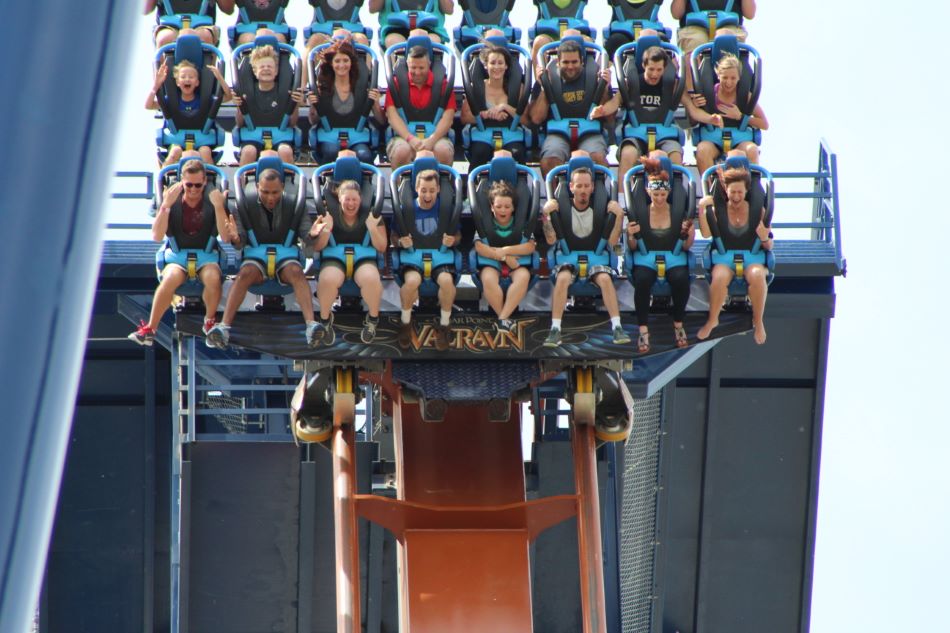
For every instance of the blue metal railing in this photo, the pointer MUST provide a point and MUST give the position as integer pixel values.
(825, 222)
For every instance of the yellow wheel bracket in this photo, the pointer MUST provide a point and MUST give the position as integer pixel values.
(661, 267)
(651, 139)
(740, 265)
(713, 21)
(582, 267)
(192, 266)
(344, 380)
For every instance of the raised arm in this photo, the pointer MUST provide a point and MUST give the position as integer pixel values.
(226, 229)
(151, 102)
(321, 231)
(160, 224)
(678, 8)
(614, 207)
(550, 236)
(377, 232)
(706, 201)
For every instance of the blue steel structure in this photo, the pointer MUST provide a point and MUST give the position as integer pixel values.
(47, 339)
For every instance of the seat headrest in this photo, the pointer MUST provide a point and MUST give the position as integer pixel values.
(737, 162)
(267, 40)
(577, 162)
(419, 40)
(645, 42)
(347, 168)
(503, 168)
(574, 38)
(188, 47)
(724, 44)
(271, 162)
(422, 164)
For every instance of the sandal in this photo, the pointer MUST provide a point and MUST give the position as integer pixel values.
(643, 342)
(679, 332)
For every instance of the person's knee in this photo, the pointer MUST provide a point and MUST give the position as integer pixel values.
(248, 154)
(629, 153)
(286, 153)
(401, 154)
(210, 276)
(360, 38)
(165, 36)
(445, 152)
(599, 157)
(249, 275)
(174, 154)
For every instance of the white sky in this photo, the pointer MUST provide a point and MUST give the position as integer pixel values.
(863, 76)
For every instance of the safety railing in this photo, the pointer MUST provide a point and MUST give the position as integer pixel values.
(825, 224)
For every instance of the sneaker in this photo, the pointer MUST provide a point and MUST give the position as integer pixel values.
(504, 325)
(404, 338)
(620, 337)
(320, 332)
(554, 338)
(442, 334)
(219, 335)
(209, 323)
(368, 332)
(144, 335)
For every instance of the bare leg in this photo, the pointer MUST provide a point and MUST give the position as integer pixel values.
(539, 41)
(293, 275)
(446, 290)
(516, 291)
(394, 38)
(409, 291)
(491, 290)
(173, 156)
(629, 156)
(718, 287)
(248, 155)
(755, 276)
(172, 277)
(247, 277)
(559, 297)
(206, 156)
(286, 152)
(706, 155)
(328, 288)
(606, 284)
(210, 277)
(371, 287)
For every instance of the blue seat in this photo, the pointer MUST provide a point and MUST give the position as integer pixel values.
(630, 19)
(421, 123)
(518, 88)
(583, 254)
(703, 62)
(189, 130)
(711, 19)
(682, 201)
(271, 255)
(267, 130)
(761, 199)
(327, 19)
(596, 61)
(476, 20)
(649, 126)
(372, 195)
(527, 186)
(554, 20)
(202, 15)
(251, 18)
(191, 259)
(357, 127)
(428, 252)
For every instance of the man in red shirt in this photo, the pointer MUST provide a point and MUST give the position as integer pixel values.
(187, 223)
(426, 123)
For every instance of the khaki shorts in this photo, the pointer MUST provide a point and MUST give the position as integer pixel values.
(689, 37)
(669, 146)
(395, 141)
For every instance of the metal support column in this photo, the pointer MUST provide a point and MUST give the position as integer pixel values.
(593, 609)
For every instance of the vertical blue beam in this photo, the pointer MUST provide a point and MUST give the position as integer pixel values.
(65, 70)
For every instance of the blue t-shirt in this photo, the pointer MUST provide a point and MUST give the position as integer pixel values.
(427, 220)
(189, 108)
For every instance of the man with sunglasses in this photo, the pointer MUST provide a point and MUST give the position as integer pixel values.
(188, 222)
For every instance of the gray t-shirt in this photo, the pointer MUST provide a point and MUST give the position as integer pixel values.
(343, 106)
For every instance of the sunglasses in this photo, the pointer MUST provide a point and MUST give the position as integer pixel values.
(194, 185)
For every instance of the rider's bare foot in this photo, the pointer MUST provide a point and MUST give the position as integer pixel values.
(706, 330)
(758, 332)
